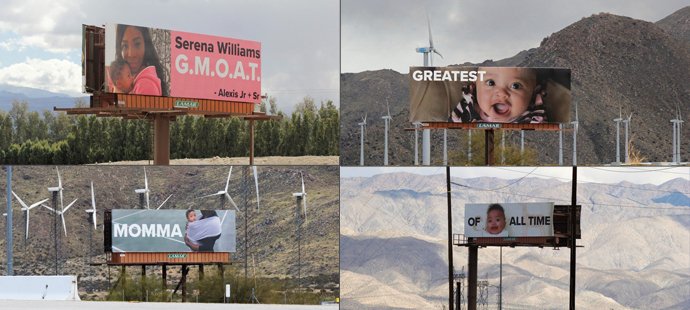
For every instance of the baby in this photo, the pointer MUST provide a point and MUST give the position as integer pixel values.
(495, 219)
(505, 95)
(121, 75)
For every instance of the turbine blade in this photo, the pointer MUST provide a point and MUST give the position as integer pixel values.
(21, 202)
(227, 183)
(93, 216)
(232, 202)
(256, 184)
(216, 194)
(146, 181)
(59, 179)
(93, 197)
(62, 216)
(388, 108)
(49, 208)
(37, 204)
(69, 206)
(438, 53)
(164, 201)
(26, 234)
(302, 183)
(428, 24)
(147, 200)
(62, 205)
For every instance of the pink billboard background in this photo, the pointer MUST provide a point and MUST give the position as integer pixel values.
(211, 67)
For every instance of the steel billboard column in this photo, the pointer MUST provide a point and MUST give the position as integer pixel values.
(450, 241)
(8, 223)
(489, 147)
(426, 147)
(573, 243)
(472, 277)
(251, 142)
(161, 140)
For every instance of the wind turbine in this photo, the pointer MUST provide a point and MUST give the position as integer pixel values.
(427, 53)
(224, 194)
(26, 209)
(144, 192)
(303, 197)
(362, 132)
(618, 135)
(387, 120)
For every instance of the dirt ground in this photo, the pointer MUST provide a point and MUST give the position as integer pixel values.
(260, 161)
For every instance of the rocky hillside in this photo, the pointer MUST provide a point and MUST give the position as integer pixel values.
(617, 63)
(271, 230)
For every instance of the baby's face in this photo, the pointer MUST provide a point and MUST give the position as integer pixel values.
(495, 222)
(505, 93)
(125, 82)
(191, 217)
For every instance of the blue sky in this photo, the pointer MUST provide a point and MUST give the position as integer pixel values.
(40, 40)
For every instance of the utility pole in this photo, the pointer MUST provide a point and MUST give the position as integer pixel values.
(10, 258)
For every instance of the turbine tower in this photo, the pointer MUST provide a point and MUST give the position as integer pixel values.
(618, 121)
(300, 196)
(427, 53)
(627, 122)
(387, 120)
(144, 192)
(677, 127)
(362, 132)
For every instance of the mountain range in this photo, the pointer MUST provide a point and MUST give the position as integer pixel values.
(635, 251)
(38, 99)
(617, 63)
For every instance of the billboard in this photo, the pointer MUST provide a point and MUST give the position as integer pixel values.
(160, 62)
(534, 219)
(489, 94)
(173, 230)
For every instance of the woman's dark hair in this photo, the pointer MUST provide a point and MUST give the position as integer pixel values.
(495, 207)
(208, 213)
(150, 55)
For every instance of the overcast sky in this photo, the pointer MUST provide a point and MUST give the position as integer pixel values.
(637, 175)
(40, 41)
(383, 34)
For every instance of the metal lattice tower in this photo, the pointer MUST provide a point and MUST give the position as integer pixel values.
(483, 299)
(458, 292)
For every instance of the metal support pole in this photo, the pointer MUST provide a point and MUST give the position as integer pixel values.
(161, 140)
(426, 147)
(560, 144)
(575, 128)
(251, 142)
(450, 240)
(164, 277)
(573, 243)
(627, 154)
(445, 147)
(618, 140)
(503, 147)
(469, 147)
(500, 279)
(416, 145)
(55, 231)
(675, 157)
(385, 143)
(472, 277)
(8, 224)
(489, 147)
(361, 145)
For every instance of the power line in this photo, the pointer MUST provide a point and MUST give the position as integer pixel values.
(502, 187)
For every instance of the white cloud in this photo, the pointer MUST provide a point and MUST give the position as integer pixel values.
(55, 75)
